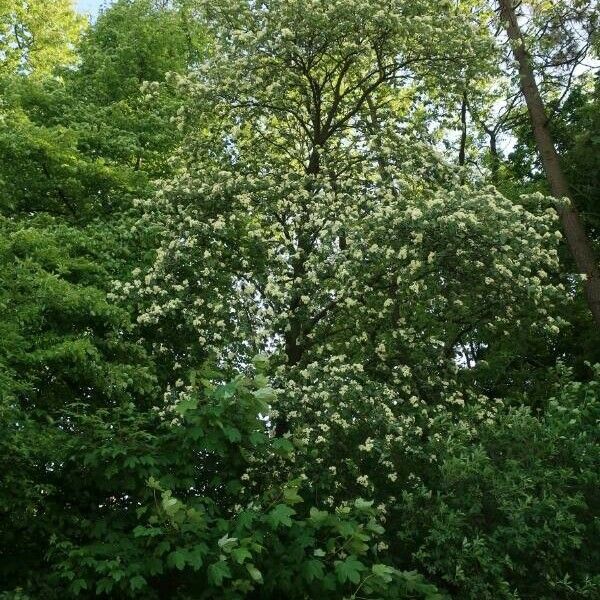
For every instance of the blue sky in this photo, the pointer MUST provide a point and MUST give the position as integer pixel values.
(89, 6)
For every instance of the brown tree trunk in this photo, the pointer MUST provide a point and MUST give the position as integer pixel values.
(462, 151)
(576, 237)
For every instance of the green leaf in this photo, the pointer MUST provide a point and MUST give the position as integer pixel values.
(312, 569)
(162, 547)
(137, 583)
(196, 555)
(170, 505)
(131, 462)
(185, 405)
(240, 555)
(266, 394)
(363, 505)
(254, 573)
(318, 516)
(283, 446)
(328, 582)
(232, 434)
(224, 392)
(384, 572)
(291, 496)
(104, 585)
(226, 543)
(415, 582)
(346, 528)
(260, 381)
(178, 559)
(280, 515)
(153, 483)
(375, 527)
(257, 438)
(349, 569)
(261, 362)
(78, 585)
(218, 571)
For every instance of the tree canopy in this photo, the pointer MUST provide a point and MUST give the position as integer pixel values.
(290, 306)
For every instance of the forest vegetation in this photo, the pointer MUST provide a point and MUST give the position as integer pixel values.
(300, 299)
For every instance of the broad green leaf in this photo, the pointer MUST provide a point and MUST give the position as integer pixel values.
(384, 572)
(218, 571)
(349, 569)
(290, 495)
(312, 569)
(178, 559)
(363, 505)
(137, 583)
(280, 515)
(240, 554)
(266, 394)
(226, 543)
(78, 585)
(232, 434)
(318, 516)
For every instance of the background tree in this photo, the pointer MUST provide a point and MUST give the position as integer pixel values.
(36, 37)
(73, 160)
(576, 237)
(264, 338)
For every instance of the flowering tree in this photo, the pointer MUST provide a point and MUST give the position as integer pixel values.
(310, 221)
(317, 404)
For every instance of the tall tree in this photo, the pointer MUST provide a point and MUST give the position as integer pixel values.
(79, 140)
(350, 253)
(575, 234)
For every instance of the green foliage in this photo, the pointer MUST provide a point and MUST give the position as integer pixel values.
(49, 163)
(157, 514)
(60, 335)
(134, 42)
(86, 141)
(258, 337)
(511, 511)
(575, 127)
(36, 37)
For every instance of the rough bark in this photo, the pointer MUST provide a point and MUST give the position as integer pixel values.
(576, 237)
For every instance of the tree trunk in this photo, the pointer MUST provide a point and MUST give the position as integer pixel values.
(495, 157)
(462, 152)
(577, 240)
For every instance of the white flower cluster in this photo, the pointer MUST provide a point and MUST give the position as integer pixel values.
(350, 253)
